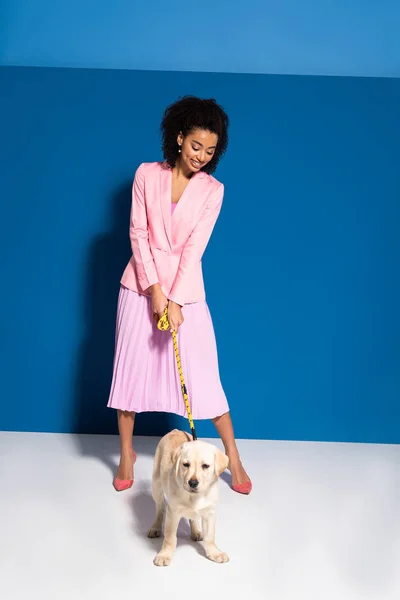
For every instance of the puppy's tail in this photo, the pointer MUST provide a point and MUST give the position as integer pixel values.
(157, 463)
(188, 436)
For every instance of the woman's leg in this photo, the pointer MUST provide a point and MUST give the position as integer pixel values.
(126, 421)
(225, 429)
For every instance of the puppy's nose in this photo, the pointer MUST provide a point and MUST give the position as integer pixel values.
(193, 483)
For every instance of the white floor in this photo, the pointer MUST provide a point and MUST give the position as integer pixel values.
(322, 523)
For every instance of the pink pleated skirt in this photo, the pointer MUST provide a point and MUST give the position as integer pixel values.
(145, 377)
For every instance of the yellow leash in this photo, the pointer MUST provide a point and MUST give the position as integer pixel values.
(163, 325)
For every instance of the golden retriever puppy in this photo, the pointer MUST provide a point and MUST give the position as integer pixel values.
(185, 484)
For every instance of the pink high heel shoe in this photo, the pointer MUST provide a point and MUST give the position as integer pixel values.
(243, 488)
(124, 484)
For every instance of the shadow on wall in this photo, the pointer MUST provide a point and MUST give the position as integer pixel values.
(105, 262)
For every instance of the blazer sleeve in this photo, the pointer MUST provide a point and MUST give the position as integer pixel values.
(139, 234)
(195, 246)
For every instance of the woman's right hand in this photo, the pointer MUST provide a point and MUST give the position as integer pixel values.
(159, 300)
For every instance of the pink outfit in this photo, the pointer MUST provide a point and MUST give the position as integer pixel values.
(168, 241)
(167, 248)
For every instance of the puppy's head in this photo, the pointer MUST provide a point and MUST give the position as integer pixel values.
(198, 465)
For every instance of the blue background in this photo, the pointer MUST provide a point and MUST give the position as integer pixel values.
(301, 272)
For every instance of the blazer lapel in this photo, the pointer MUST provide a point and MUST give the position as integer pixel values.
(165, 199)
(184, 203)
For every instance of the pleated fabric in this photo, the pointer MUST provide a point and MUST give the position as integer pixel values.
(145, 377)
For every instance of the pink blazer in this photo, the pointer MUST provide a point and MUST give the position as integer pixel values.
(167, 249)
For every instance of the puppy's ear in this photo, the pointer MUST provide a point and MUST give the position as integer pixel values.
(176, 458)
(221, 462)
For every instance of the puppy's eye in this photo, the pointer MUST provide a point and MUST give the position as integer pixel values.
(206, 467)
(186, 465)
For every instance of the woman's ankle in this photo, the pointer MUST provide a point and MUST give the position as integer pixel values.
(232, 452)
(126, 451)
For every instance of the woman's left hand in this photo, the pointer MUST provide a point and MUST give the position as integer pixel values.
(175, 316)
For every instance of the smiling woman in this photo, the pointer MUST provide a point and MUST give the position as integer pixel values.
(175, 205)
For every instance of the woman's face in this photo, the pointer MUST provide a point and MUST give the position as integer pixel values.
(197, 149)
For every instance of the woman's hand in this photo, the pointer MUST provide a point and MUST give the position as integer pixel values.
(159, 300)
(175, 316)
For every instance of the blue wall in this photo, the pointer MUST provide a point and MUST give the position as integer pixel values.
(257, 36)
(312, 190)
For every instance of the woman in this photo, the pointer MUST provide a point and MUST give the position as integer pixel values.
(175, 205)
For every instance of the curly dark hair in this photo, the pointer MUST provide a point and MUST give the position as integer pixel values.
(191, 113)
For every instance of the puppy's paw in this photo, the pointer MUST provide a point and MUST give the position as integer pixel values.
(154, 532)
(218, 557)
(162, 560)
